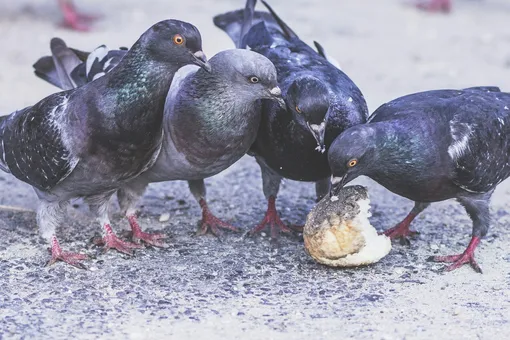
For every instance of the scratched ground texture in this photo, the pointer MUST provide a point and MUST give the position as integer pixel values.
(242, 288)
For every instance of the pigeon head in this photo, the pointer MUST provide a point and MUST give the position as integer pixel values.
(308, 100)
(352, 154)
(176, 42)
(253, 75)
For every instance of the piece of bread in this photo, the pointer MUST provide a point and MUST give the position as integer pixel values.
(338, 233)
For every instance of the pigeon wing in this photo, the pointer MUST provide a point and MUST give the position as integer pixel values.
(33, 144)
(480, 142)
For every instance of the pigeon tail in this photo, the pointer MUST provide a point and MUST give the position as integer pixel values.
(45, 69)
(69, 68)
(247, 22)
(65, 61)
(285, 28)
(3, 165)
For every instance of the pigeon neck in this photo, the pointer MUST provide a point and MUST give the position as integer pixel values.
(398, 151)
(138, 78)
(211, 99)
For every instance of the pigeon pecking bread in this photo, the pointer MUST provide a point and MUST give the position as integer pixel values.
(338, 233)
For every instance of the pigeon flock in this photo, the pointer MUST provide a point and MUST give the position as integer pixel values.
(159, 111)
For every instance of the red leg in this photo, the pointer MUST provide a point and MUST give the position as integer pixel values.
(70, 258)
(435, 5)
(401, 230)
(273, 220)
(468, 256)
(111, 240)
(211, 222)
(139, 235)
(73, 19)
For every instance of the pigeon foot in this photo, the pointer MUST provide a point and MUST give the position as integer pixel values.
(111, 240)
(444, 6)
(139, 235)
(402, 230)
(212, 223)
(73, 19)
(273, 220)
(467, 257)
(70, 258)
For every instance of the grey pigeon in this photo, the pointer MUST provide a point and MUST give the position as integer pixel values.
(433, 146)
(210, 121)
(321, 102)
(88, 142)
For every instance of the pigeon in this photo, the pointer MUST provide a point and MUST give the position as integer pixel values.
(87, 142)
(73, 19)
(321, 102)
(210, 119)
(433, 146)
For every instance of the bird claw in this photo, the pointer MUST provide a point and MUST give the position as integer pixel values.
(138, 235)
(402, 232)
(75, 20)
(458, 261)
(112, 241)
(275, 223)
(214, 225)
(435, 5)
(70, 258)
(150, 239)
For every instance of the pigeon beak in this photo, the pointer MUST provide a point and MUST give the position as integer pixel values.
(318, 132)
(276, 94)
(338, 183)
(201, 60)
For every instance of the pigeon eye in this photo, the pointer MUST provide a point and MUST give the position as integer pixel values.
(352, 163)
(298, 109)
(254, 79)
(178, 39)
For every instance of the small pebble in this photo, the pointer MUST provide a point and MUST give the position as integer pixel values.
(164, 217)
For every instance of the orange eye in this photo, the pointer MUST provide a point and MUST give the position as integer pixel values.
(298, 109)
(352, 163)
(178, 39)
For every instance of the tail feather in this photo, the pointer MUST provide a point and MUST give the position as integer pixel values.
(69, 68)
(58, 68)
(45, 69)
(247, 22)
(285, 28)
(65, 62)
(3, 165)
(233, 23)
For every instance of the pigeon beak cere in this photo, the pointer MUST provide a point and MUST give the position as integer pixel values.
(276, 94)
(318, 132)
(201, 60)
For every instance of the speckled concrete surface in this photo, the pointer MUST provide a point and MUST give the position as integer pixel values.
(239, 287)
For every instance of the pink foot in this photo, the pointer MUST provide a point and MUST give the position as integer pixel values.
(444, 6)
(402, 230)
(73, 19)
(70, 258)
(212, 223)
(272, 219)
(139, 235)
(111, 240)
(467, 257)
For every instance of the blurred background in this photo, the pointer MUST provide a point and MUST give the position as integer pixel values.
(388, 47)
